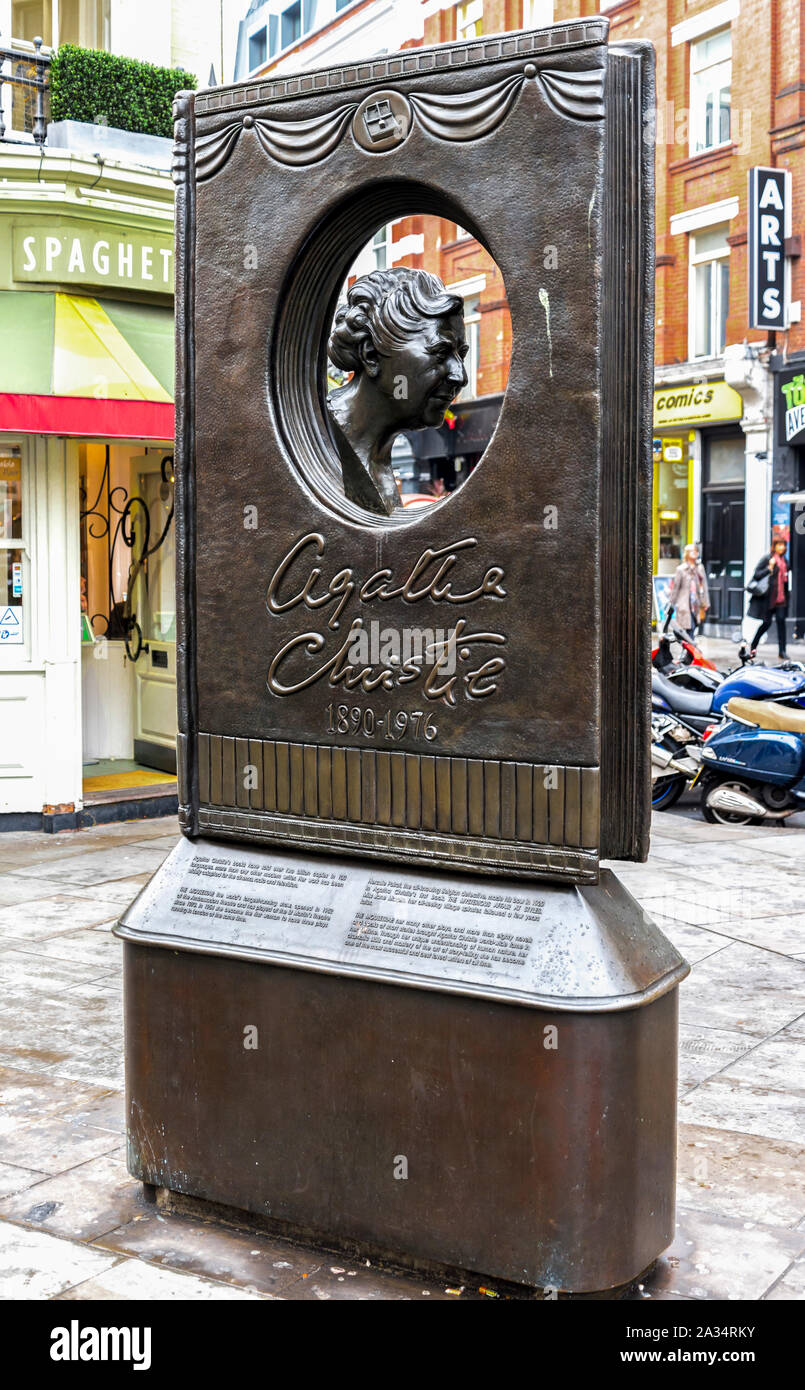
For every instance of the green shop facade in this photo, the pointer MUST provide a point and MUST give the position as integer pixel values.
(87, 616)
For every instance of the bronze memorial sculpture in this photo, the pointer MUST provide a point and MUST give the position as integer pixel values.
(382, 993)
(402, 336)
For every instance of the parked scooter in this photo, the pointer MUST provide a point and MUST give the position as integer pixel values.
(677, 657)
(753, 767)
(684, 720)
(749, 682)
(675, 759)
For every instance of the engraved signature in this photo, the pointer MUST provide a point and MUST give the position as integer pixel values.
(295, 583)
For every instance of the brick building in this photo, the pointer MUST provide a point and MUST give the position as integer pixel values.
(729, 398)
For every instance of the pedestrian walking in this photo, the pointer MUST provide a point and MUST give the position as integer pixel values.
(688, 593)
(769, 587)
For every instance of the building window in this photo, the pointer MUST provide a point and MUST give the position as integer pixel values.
(291, 27)
(710, 81)
(461, 233)
(381, 247)
(472, 329)
(32, 19)
(537, 13)
(82, 22)
(470, 19)
(258, 48)
(709, 292)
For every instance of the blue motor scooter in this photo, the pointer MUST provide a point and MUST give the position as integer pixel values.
(753, 767)
(682, 719)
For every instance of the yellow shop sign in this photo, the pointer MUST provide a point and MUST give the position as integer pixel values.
(698, 404)
(90, 254)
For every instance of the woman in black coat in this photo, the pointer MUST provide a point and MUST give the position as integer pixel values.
(769, 587)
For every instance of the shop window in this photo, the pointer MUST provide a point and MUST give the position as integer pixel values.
(13, 556)
(258, 48)
(709, 292)
(470, 20)
(672, 491)
(710, 82)
(156, 598)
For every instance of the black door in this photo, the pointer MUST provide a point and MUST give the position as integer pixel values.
(724, 553)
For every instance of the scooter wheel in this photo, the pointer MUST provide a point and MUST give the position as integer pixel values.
(666, 792)
(716, 817)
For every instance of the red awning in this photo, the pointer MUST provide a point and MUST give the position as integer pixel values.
(86, 417)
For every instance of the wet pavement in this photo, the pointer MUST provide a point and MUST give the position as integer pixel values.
(74, 1225)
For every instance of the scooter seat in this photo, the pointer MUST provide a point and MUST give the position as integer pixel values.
(681, 701)
(767, 714)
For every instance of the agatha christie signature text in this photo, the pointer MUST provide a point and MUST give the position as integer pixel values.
(458, 657)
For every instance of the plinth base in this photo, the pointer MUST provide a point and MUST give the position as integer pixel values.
(505, 1105)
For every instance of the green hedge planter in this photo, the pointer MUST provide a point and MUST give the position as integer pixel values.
(87, 85)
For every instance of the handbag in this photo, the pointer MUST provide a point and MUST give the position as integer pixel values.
(759, 587)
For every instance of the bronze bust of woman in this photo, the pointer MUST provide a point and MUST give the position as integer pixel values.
(401, 335)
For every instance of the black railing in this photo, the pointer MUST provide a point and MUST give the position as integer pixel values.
(30, 72)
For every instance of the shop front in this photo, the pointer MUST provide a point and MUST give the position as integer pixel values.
(87, 612)
(440, 460)
(699, 486)
(788, 477)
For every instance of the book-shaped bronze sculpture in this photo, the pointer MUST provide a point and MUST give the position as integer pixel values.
(511, 735)
(407, 736)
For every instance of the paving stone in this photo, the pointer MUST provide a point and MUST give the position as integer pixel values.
(713, 1257)
(88, 947)
(99, 866)
(677, 907)
(14, 1179)
(132, 1279)
(723, 1103)
(44, 917)
(743, 1177)
(35, 1265)
(82, 1203)
(51, 1145)
(703, 1052)
(26, 1096)
(732, 900)
(784, 934)
(746, 989)
(791, 1286)
(22, 970)
(324, 1283)
(778, 1064)
(107, 1112)
(694, 943)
